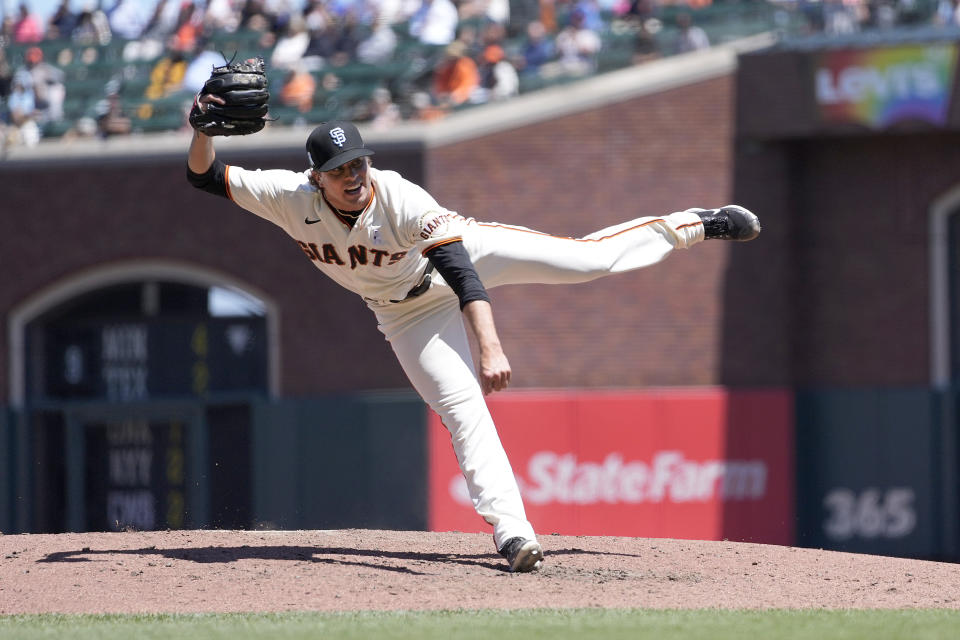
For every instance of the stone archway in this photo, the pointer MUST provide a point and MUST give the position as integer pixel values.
(111, 284)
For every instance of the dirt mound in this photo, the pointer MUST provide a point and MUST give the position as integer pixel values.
(206, 571)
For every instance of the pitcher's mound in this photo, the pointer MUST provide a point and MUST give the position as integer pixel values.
(256, 571)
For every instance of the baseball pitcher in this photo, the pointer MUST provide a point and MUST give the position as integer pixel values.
(422, 269)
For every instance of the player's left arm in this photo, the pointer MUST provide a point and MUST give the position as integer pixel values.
(452, 261)
(201, 155)
(494, 370)
(204, 170)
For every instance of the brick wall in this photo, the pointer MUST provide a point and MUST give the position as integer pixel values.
(835, 292)
(61, 220)
(863, 252)
(845, 294)
(576, 174)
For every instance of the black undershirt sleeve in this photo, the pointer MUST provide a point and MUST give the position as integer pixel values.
(453, 262)
(214, 180)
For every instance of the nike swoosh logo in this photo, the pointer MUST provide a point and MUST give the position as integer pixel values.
(309, 221)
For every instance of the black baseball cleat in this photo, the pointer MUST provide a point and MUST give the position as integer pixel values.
(522, 554)
(729, 223)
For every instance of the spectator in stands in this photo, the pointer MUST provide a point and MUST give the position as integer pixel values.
(316, 14)
(455, 77)
(590, 10)
(6, 31)
(548, 15)
(155, 33)
(640, 11)
(538, 49)
(127, 19)
(253, 16)
(645, 47)
(690, 37)
(396, 11)
(423, 107)
(187, 32)
(167, 75)
(883, 13)
(435, 22)
(498, 77)
(522, 13)
(840, 18)
(28, 27)
(383, 111)
(291, 46)
(62, 22)
(334, 43)
(492, 33)
(379, 45)
(110, 117)
(350, 33)
(92, 28)
(910, 12)
(498, 12)
(199, 67)
(946, 13)
(6, 80)
(323, 35)
(298, 89)
(21, 115)
(47, 82)
(6, 76)
(467, 34)
(163, 22)
(279, 13)
(495, 11)
(578, 48)
(364, 12)
(220, 16)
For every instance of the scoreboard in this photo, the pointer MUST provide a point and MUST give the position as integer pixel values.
(149, 418)
(144, 359)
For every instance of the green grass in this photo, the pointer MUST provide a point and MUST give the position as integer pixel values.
(578, 624)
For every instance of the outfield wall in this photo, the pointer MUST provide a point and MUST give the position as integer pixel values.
(862, 470)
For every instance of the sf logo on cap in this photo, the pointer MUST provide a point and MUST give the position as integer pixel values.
(338, 136)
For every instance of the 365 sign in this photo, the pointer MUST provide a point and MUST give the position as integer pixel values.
(868, 514)
(701, 464)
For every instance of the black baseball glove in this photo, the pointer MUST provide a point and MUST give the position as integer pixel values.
(243, 88)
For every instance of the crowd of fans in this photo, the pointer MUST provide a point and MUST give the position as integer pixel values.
(466, 51)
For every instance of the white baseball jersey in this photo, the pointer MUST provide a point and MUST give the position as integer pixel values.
(381, 256)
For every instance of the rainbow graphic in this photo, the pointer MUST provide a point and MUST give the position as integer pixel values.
(880, 87)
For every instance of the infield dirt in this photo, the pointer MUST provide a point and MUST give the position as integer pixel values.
(261, 571)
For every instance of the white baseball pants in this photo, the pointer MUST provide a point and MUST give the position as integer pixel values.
(428, 336)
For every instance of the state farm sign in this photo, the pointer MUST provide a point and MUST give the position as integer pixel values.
(703, 464)
(667, 477)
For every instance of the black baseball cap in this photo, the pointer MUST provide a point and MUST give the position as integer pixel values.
(334, 143)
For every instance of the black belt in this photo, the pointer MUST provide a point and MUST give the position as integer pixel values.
(422, 287)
